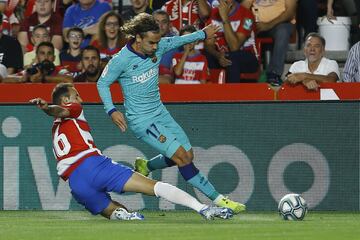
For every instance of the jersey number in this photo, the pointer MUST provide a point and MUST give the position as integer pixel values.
(61, 145)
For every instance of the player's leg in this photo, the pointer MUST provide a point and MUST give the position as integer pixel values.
(166, 135)
(160, 161)
(184, 160)
(141, 184)
(111, 208)
(87, 187)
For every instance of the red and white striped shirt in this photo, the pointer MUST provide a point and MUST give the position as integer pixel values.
(182, 13)
(72, 140)
(195, 69)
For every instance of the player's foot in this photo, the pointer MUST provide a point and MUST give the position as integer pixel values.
(210, 213)
(141, 166)
(236, 207)
(122, 214)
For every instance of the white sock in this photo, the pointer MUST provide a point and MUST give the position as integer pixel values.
(113, 215)
(177, 196)
(218, 198)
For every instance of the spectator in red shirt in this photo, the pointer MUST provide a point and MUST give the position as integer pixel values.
(109, 39)
(190, 66)
(234, 46)
(43, 15)
(187, 12)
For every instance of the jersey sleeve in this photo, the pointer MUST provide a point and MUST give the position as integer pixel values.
(333, 67)
(75, 109)
(110, 74)
(247, 22)
(168, 43)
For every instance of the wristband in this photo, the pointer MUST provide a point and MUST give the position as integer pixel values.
(205, 35)
(111, 111)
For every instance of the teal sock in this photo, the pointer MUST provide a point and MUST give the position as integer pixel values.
(202, 183)
(159, 162)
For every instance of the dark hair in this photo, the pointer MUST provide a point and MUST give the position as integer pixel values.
(1, 18)
(161, 12)
(140, 24)
(90, 48)
(60, 90)
(47, 44)
(40, 26)
(75, 29)
(187, 28)
(317, 35)
(121, 40)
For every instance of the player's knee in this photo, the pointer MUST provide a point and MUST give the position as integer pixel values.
(183, 157)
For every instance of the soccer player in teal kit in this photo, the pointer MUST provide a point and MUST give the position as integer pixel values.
(135, 67)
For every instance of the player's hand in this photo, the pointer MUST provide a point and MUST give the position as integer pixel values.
(41, 103)
(119, 120)
(210, 30)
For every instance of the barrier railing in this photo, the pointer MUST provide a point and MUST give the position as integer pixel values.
(21, 93)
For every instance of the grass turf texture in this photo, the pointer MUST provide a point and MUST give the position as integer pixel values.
(176, 225)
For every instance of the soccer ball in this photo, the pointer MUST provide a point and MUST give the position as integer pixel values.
(292, 207)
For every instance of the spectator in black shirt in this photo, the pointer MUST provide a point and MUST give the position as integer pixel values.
(90, 64)
(10, 52)
(137, 6)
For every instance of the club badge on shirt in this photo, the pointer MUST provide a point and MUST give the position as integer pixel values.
(162, 138)
(248, 23)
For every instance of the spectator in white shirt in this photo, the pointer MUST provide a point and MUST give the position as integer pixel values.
(315, 68)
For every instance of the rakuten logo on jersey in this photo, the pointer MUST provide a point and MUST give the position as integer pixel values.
(145, 76)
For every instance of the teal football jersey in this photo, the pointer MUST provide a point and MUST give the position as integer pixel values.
(138, 76)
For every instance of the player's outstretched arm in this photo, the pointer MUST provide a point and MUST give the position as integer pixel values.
(51, 110)
(168, 43)
(211, 30)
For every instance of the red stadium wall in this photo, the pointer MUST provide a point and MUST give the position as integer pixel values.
(21, 93)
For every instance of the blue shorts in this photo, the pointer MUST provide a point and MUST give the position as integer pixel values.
(91, 181)
(162, 133)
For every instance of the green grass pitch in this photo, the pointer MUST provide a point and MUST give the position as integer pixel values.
(176, 225)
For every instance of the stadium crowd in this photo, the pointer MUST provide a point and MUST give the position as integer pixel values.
(72, 40)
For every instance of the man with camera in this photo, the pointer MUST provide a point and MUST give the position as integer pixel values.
(44, 69)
